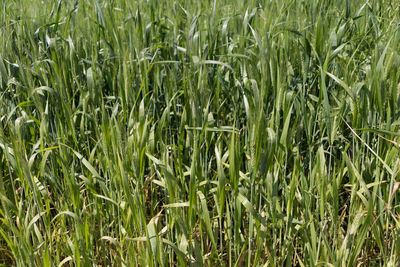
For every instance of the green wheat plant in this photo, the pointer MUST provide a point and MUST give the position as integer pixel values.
(199, 133)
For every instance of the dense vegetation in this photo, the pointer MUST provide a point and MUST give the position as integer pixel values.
(191, 132)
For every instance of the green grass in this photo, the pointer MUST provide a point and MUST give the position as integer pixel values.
(190, 133)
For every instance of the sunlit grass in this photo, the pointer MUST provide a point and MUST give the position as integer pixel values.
(232, 133)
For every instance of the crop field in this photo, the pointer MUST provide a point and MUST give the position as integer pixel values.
(199, 133)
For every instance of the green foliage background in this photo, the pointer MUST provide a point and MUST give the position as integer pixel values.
(221, 132)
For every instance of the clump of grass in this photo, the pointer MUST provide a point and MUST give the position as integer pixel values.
(258, 133)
